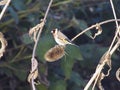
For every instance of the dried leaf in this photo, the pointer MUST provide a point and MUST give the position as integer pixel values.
(105, 60)
(32, 75)
(99, 28)
(118, 74)
(101, 77)
(3, 44)
(95, 81)
(33, 31)
(34, 65)
(34, 71)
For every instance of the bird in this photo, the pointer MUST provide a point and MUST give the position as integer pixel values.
(60, 38)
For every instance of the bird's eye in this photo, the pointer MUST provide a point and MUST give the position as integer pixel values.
(53, 31)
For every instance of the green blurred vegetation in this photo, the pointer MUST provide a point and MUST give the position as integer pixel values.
(71, 16)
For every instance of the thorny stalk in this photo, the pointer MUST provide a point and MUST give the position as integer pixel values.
(36, 42)
(4, 9)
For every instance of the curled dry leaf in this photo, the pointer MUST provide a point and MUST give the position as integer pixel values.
(99, 84)
(105, 60)
(98, 80)
(99, 28)
(3, 44)
(118, 74)
(32, 75)
(34, 65)
(54, 53)
(33, 31)
(34, 71)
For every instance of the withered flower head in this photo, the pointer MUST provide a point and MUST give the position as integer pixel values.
(54, 53)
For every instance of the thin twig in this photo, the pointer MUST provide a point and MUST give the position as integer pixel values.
(4, 9)
(109, 51)
(115, 47)
(93, 26)
(33, 86)
(113, 9)
(105, 60)
(36, 42)
(117, 29)
(39, 33)
(83, 32)
(93, 77)
(95, 82)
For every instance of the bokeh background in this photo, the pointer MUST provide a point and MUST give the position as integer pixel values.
(74, 70)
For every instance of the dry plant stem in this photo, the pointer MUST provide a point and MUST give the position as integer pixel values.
(94, 76)
(83, 32)
(117, 30)
(33, 86)
(93, 26)
(109, 51)
(4, 9)
(113, 9)
(35, 46)
(95, 81)
(39, 33)
(115, 47)
(101, 67)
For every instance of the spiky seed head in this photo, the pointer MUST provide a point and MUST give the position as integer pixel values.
(54, 53)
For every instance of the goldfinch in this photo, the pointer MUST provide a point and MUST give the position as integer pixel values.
(60, 38)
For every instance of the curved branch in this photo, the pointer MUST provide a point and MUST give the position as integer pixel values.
(93, 26)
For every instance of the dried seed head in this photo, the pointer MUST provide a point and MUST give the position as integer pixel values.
(54, 53)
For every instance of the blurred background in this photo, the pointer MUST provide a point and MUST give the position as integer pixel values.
(74, 70)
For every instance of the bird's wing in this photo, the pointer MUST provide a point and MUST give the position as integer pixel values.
(63, 37)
